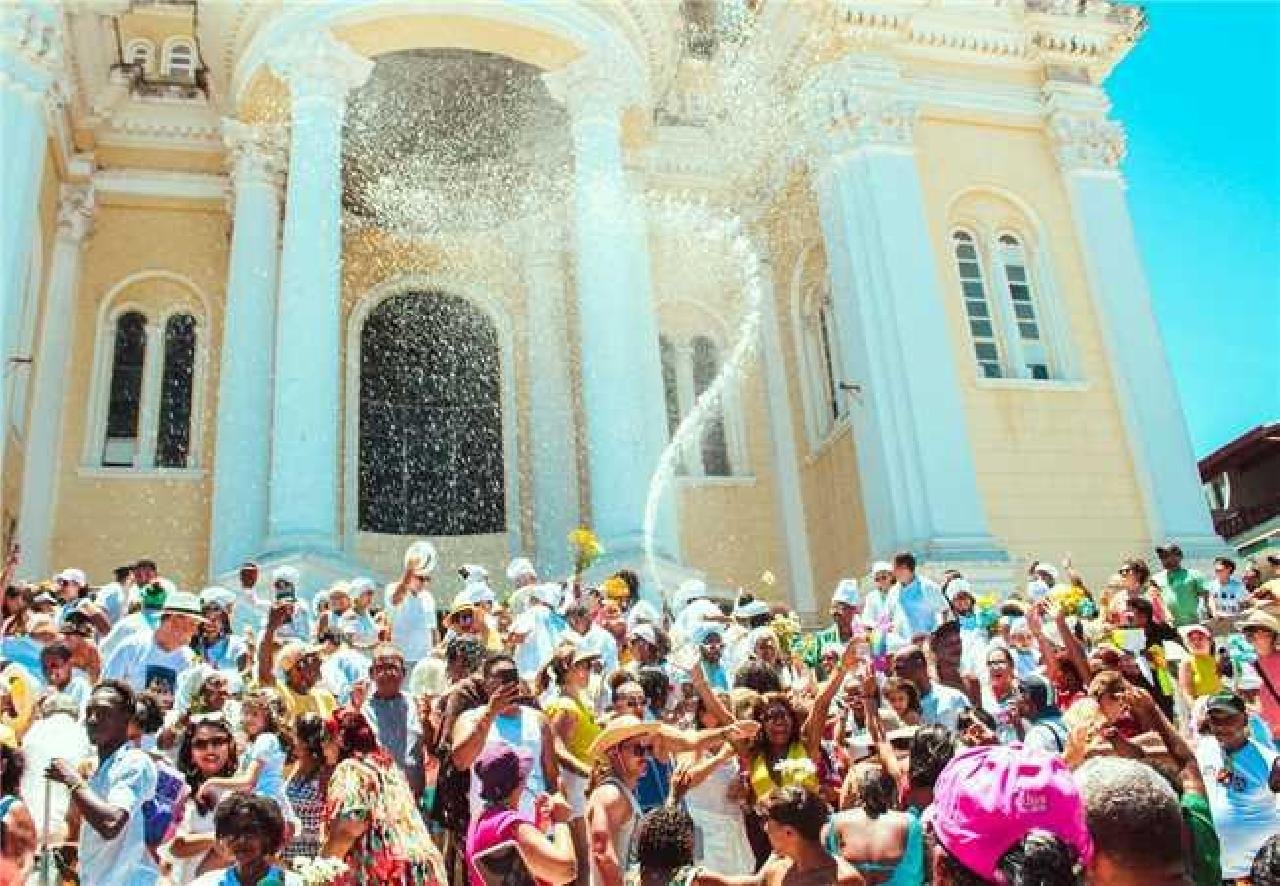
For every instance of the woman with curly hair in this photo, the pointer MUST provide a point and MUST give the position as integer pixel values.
(252, 829)
(308, 780)
(262, 764)
(206, 749)
(373, 821)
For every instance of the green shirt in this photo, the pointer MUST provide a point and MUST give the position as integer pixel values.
(1204, 861)
(1182, 590)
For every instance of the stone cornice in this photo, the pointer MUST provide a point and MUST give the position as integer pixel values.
(853, 104)
(1090, 34)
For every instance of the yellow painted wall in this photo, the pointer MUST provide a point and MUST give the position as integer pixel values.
(106, 520)
(1054, 466)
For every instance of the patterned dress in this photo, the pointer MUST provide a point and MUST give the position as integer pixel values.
(308, 804)
(395, 849)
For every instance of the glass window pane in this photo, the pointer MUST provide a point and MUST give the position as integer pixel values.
(669, 390)
(1038, 371)
(966, 251)
(173, 440)
(1024, 311)
(986, 351)
(973, 290)
(1029, 331)
(969, 270)
(1016, 273)
(1019, 292)
(991, 370)
(124, 402)
(431, 443)
(980, 328)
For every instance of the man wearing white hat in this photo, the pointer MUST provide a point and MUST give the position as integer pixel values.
(521, 574)
(285, 582)
(694, 608)
(880, 607)
(159, 661)
(534, 632)
(411, 609)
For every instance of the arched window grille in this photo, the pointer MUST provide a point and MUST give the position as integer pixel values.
(124, 402)
(1034, 352)
(714, 450)
(141, 53)
(982, 325)
(180, 61)
(173, 433)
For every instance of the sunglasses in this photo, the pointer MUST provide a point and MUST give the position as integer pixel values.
(777, 714)
(208, 744)
(12, 592)
(998, 663)
(210, 717)
(627, 701)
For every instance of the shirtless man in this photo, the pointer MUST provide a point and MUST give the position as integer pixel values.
(793, 820)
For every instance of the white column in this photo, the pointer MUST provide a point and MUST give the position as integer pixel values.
(915, 464)
(306, 416)
(621, 366)
(49, 380)
(242, 462)
(553, 444)
(785, 465)
(1089, 149)
(30, 57)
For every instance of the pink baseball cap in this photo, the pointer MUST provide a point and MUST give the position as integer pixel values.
(988, 798)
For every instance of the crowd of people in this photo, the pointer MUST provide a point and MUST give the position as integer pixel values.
(447, 728)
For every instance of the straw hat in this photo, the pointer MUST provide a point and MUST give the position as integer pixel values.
(618, 730)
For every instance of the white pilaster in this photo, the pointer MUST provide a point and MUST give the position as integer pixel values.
(1089, 149)
(242, 463)
(553, 445)
(306, 417)
(621, 365)
(30, 59)
(915, 465)
(49, 381)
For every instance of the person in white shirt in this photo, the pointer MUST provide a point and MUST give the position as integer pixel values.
(114, 596)
(1226, 592)
(250, 607)
(587, 634)
(940, 705)
(159, 662)
(534, 631)
(143, 621)
(411, 609)
(113, 847)
(920, 597)
(880, 607)
(364, 629)
(521, 574)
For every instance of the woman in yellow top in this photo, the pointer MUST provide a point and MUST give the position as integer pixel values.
(1198, 675)
(787, 751)
(574, 722)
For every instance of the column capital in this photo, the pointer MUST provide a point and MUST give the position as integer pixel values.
(31, 46)
(319, 67)
(592, 88)
(76, 204)
(256, 151)
(850, 105)
(1086, 142)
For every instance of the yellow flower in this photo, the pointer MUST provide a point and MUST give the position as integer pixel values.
(768, 578)
(615, 589)
(586, 547)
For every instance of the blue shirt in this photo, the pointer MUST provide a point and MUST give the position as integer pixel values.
(921, 601)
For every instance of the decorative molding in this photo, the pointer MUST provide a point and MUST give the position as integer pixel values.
(158, 183)
(594, 90)
(75, 211)
(319, 68)
(1086, 143)
(854, 104)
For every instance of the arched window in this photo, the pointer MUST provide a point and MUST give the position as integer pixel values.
(180, 61)
(431, 445)
(982, 325)
(124, 402)
(818, 347)
(141, 53)
(173, 435)
(714, 450)
(670, 390)
(1013, 260)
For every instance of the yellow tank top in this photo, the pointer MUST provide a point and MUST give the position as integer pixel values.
(585, 727)
(763, 781)
(1205, 679)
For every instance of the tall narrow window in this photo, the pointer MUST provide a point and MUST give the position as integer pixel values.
(715, 445)
(124, 403)
(141, 53)
(986, 343)
(826, 331)
(180, 61)
(1035, 355)
(670, 389)
(173, 437)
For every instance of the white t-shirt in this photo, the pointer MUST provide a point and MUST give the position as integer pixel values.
(1226, 596)
(1244, 807)
(942, 706)
(535, 625)
(144, 665)
(113, 600)
(125, 780)
(130, 626)
(413, 623)
(266, 748)
(364, 630)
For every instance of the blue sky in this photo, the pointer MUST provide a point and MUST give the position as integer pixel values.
(1199, 99)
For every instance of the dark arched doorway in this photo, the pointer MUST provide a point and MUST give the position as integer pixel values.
(431, 458)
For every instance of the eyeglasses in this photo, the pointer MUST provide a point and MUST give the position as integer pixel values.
(631, 701)
(777, 714)
(208, 744)
(641, 750)
(997, 663)
(13, 592)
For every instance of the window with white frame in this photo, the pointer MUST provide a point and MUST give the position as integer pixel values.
(142, 53)
(688, 370)
(150, 392)
(1008, 325)
(819, 349)
(180, 60)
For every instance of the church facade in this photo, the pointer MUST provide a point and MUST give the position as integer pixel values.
(305, 281)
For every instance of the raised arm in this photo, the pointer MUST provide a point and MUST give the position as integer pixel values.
(817, 719)
(712, 702)
(277, 616)
(875, 728)
(1074, 649)
(1146, 710)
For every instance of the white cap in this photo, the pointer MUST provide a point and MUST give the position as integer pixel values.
(471, 572)
(847, 592)
(754, 609)
(481, 591)
(642, 611)
(75, 576)
(216, 595)
(288, 574)
(881, 566)
(960, 586)
(1048, 569)
(644, 631)
(1037, 589)
(690, 589)
(520, 567)
(548, 592)
(361, 584)
(424, 552)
